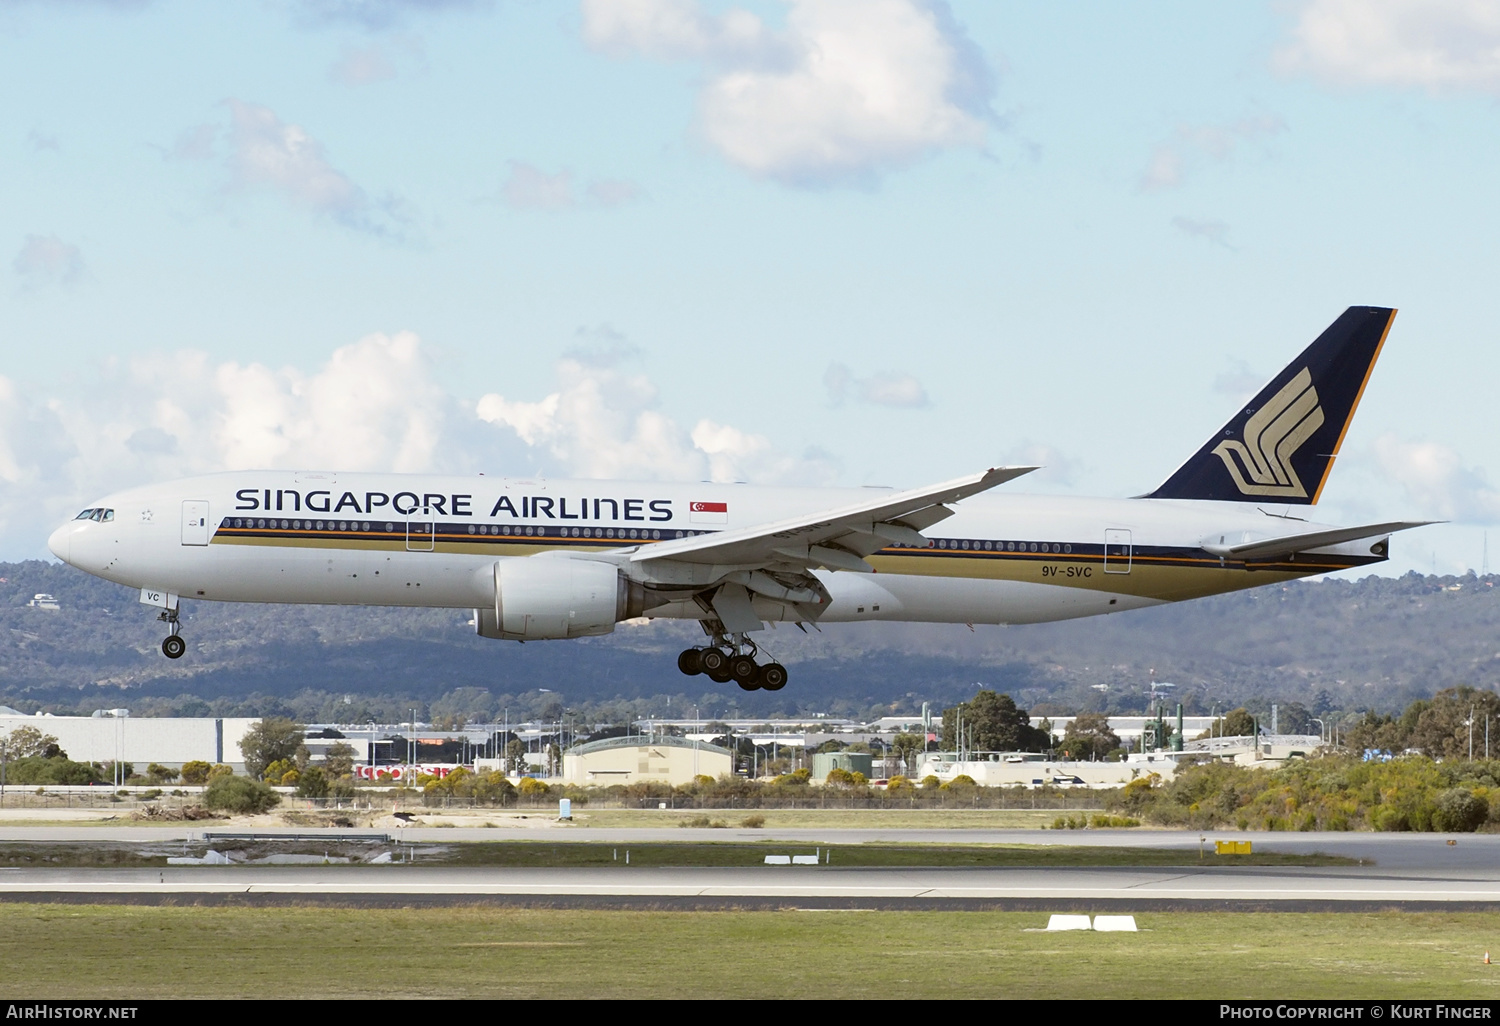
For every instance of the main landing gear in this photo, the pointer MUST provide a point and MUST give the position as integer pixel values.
(172, 645)
(728, 660)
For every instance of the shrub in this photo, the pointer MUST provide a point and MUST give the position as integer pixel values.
(753, 822)
(931, 782)
(533, 788)
(195, 772)
(312, 783)
(229, 793)
(37, 770)
(1459, 810)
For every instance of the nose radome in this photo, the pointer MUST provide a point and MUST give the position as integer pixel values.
(58, 542)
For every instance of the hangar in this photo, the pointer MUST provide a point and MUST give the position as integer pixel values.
(630, 760)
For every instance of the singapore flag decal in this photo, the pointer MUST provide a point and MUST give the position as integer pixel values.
(708, 512)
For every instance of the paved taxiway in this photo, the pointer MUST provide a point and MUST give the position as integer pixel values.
(1388, 851)
(1399, 869)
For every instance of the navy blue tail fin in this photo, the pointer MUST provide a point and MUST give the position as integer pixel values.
(1281, 446)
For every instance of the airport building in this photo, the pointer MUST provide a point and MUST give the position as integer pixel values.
(629, 760)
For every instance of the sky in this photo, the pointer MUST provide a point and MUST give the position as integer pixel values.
(837, 242)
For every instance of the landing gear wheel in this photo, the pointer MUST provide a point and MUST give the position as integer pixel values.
(744, 671)
(753, 684)
(720, 676)
(688, 662)
(773, 676)
(173, 647)
(712, 661)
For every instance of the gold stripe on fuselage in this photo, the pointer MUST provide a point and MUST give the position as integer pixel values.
(1165, 578)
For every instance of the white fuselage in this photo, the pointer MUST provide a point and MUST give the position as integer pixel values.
(418, 540)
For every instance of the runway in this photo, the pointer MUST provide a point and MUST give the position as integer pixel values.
(1386, 850)
(1401, 870)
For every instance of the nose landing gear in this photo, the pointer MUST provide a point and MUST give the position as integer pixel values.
(172, 646)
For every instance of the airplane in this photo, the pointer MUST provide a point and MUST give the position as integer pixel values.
(544, 559)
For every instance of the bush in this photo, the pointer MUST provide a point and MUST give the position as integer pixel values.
(1459, 810)
(312, 783)
(37, 770)
(228, 793)
(195, 772)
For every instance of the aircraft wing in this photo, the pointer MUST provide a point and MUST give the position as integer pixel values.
(837, 539)
(1270, 548)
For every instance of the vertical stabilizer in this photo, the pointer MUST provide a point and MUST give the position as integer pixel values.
(1282, 445)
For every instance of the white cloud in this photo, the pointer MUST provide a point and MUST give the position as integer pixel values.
(614, 192)
(1216, 232)
(895, 389)
(268, 153)
(1436, 44)
(528, 187)
(363, 65)
(849, 88)
(47, 260)
(377, 15)
(1190, 144)
(372, 405)
(1055, 467)
(1435, 478)
(603, 422)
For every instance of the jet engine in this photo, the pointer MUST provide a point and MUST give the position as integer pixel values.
(541, 598)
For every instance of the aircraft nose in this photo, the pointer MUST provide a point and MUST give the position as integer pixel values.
(58, 542)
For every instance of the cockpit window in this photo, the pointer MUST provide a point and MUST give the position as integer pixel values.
(109, 515)
(87, 514)
(98, 515)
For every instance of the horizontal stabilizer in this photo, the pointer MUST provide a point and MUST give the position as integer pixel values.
(1271, 548)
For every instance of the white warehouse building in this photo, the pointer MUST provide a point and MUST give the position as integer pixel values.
(110, 736)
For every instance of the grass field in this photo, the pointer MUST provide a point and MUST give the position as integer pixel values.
(153, 952)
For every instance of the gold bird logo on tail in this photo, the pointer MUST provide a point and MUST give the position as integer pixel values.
(1273, 434)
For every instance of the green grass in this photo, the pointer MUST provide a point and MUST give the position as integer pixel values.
(156, 952)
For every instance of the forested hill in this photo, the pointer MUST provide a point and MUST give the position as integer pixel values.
(1375, 643)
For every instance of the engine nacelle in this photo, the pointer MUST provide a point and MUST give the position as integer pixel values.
(543, 598)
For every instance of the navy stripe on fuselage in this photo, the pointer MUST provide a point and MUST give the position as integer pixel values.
(291, 531)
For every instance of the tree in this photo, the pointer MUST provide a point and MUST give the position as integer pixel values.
(195, 772)
(27, 742)
(906, 747)
(515, 757)
(230, 793)
(992, 723)
(311, 783)
(1443, 729)
(268, 740)
(1236, 723)
(159, 774)
(1460, 810)
(1089, 737)
(339, 762)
